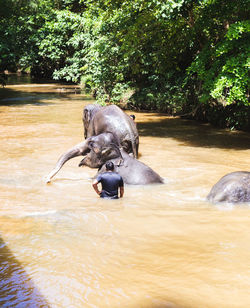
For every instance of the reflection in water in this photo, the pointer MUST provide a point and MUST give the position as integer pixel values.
(159, 246)
(16, 287)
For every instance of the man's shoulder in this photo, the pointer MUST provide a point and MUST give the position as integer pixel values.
(101, 174)
(116, 174)
(118, 177)
(105, 174)
(112, 174)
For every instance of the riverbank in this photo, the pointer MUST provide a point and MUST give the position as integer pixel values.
(234, 117)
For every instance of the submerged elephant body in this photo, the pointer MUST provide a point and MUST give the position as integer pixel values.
(133, 171)
(233, 187)
(98, 120)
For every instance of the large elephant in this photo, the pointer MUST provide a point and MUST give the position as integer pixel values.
(105, 147)
(98, 120)
(233, 187)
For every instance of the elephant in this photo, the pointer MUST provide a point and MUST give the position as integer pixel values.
(132, 170)
(98, 119)
(234, 187)
(106, 147)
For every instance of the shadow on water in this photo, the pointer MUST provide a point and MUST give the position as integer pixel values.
(12, 97)
(16, 287)
(192, 133)
(23, 89)
(19, 99)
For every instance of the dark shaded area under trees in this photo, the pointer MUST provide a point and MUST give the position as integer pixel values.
(183, 57)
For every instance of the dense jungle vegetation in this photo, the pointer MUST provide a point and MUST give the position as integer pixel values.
(184, 57)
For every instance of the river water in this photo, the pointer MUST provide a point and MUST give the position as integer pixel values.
(159, 246)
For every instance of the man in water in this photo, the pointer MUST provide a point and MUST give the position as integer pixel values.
(110, 181)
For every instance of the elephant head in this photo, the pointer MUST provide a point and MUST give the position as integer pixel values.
(98, 151)
(102, 148)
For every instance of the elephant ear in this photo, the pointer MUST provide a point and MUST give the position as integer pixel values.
(89, 111)
(87, 116)
(85, 122)
(111, 151)
(127, 146)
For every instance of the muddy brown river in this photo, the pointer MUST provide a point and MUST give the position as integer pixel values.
(159, 246)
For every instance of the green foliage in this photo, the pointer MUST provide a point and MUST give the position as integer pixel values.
(60, 44)
(134, 46)
(223, 67)
(19, 20)
(172, 56)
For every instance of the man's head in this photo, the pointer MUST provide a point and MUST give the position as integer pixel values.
(109, 166)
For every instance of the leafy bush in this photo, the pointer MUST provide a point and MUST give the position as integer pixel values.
(177, 56)
(223, 68)
(60, 44)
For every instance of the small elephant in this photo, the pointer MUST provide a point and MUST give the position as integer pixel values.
(132, 170)
(233, 187)
(106, 147)
(98, 120)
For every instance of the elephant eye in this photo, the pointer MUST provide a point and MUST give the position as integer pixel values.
(91, 144)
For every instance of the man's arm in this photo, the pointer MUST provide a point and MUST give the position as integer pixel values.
(121, 191)
(95, 186)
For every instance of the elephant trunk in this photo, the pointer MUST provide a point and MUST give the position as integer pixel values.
(77, 150)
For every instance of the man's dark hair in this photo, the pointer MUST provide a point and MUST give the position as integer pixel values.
(109, 165)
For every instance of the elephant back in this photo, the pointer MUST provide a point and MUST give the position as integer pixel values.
(233, 187)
